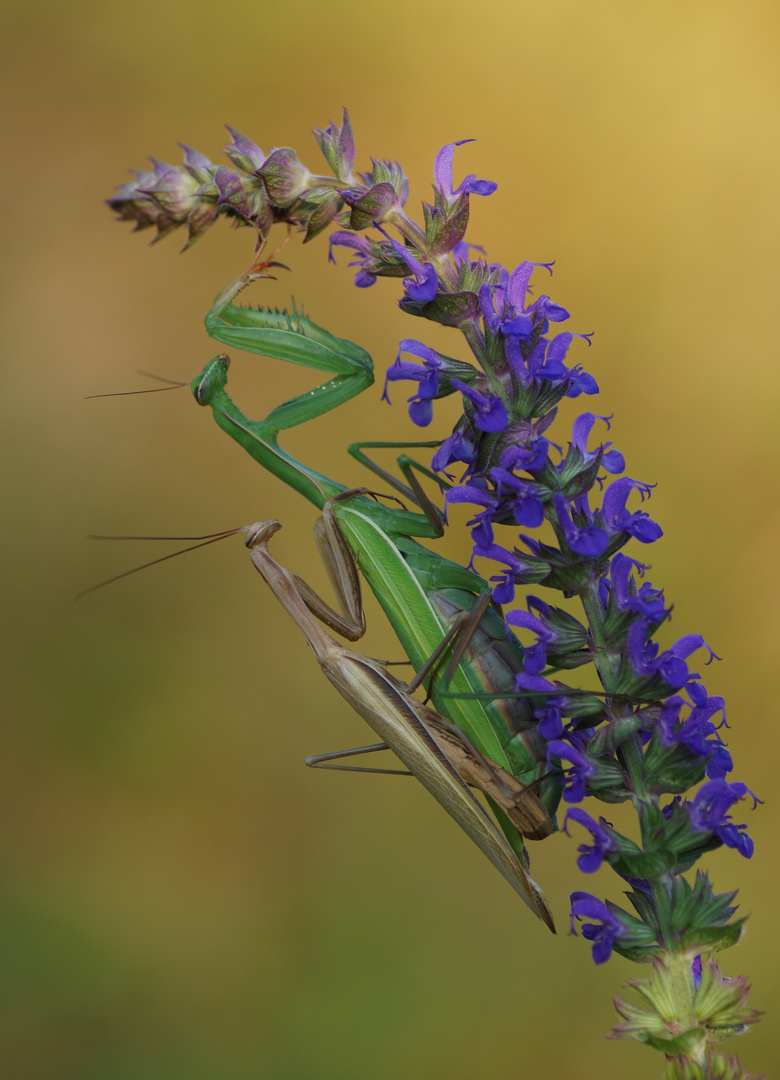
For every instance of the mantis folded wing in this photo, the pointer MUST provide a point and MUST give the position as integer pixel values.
(398, 719)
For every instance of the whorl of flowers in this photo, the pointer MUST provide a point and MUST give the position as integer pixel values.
(652, 732)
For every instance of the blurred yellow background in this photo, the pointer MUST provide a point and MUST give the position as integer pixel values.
(181, 898)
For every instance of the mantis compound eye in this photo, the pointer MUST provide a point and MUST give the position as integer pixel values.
(260, 532)
(211, 380)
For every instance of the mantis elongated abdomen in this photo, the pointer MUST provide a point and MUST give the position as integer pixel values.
(397, 718)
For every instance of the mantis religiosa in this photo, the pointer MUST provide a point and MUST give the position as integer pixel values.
(421, 592)
(431, 747)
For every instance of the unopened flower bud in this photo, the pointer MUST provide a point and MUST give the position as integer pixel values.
(338, 147)
(370, 206)
(285, 178)
(320, 208)
(199, 220)
(197, 164)
(243, 152)
(388, 172)
(174, 191)
(231, 191)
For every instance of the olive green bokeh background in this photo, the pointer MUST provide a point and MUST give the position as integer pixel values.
(182, 898)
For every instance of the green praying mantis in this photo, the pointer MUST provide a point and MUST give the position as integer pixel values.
(426, 597)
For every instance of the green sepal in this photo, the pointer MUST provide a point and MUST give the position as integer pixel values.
(714, 938)
(569, 573)
(199, 220)
(449, 309)
(645, 864)
(686, 1022)
(583, 706)
(608, 738)
(473, 275)
(231, 192)
(617, 623)
(673, 830)
(368, 206)
(718, 1066)
(338, 146)
(389, 172)
(569, 632)
(445, 225)
(285, 178)
(260, 210)
(608, 783)
(671, 769)
(321, 206)
(721, 1003)
(568, 661)
(643, 953)
(681, 1044)
(574, 476)
(644, 907)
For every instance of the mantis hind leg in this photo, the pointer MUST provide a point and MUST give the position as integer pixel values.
(324, 761)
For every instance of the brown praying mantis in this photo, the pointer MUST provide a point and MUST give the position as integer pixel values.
(432, 748)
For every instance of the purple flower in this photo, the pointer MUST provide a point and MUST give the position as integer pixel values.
(425, 284)
(442, 176)
(549, 715)
(604, 931)
(618, 519)
(588, 539)
(529, 355)
(670, 665)
(591, 535)
(577, 776)
(518, 496)
(646, 601)
(697, 732)
(483, 532)
(457, 447)
(531, 455)
(504, 592)
(503, 305)
(708, 813)
(535, 658)
(591, 855)
(581, 382)
(364, 277)
(460, 252)
(611, 460)
(546, 360)
(489, 412)
(420, 407)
